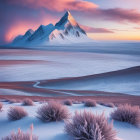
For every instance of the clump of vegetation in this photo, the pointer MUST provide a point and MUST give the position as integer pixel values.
(68, 102)
(87, 126)
(12, 101)
(127, 113)
(28, 102)
(108, 105)
(16, 113)
(90, 103)
(21, 135)
(52, 111)
(1, 105)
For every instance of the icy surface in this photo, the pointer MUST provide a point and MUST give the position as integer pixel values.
(55, 62)
(53, 65)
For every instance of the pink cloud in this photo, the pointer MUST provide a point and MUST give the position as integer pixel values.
(137, 28)
(56, 5)
(20, 27)
(87, 8)
(126, 15)
(95, 30)
(115, 14)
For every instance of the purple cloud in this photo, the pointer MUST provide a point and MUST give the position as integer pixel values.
(96, 30)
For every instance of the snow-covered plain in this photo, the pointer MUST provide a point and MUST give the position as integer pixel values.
(124, 81)
(54, 65)
(55, 130)
(55, 62)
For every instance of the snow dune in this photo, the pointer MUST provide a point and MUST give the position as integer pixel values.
(121, 81)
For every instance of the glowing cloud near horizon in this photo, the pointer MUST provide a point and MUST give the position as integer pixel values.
(19, 16)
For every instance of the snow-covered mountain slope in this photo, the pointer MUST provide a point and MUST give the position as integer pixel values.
(42, 33)
(23, 38)
(66, 31)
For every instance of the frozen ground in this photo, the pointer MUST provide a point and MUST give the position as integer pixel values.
(42, 65)
(55, 130)
(121, 81)
(56, 62)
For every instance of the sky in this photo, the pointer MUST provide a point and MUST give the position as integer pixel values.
(101, 19)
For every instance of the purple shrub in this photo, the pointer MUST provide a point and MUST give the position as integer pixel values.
(1, 105)
(108, 104)
(16, 113)
(28, 102)
(52, 111)
(21, 135)
(87, 126)
(127, 113)
(12, 101)
(68, 102)
(90, 103)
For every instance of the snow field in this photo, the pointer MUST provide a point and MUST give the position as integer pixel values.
(55, 130)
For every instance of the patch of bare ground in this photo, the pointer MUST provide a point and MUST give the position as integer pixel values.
(21, 62)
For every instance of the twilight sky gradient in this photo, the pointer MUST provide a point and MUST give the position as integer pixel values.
(102, 19)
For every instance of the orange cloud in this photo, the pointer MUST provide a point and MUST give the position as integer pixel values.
(117, 36)
(56, 5)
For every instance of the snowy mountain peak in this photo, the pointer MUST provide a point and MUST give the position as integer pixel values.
(71, 19)
(42, 32)
(67, 18)
(68, 12)
(29, 32)
(66, 31)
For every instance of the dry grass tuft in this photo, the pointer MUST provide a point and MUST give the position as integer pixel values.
(1, 105)
(127, 113)
(90, 103)
(108, 104)
(52, 111)
(68, 102)
(16, 113)
(87, 126)
(28, 102)
(21, 135)
(12, 101)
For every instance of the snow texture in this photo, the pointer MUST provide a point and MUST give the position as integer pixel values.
(55, 130)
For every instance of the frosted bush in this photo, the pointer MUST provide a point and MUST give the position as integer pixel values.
(87, 126)
(108, 105)
(127, 113)
(21, 135)
(1, 105)
(68, 102)
(16, 113)
(90, 103)
(12, 100)
(28, 102)
(52, 111)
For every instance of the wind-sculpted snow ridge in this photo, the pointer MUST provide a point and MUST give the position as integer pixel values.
(65, 31)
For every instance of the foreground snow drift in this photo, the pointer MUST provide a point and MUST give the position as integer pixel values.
(55, 130)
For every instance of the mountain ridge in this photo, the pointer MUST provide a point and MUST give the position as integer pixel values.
(66, 30)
